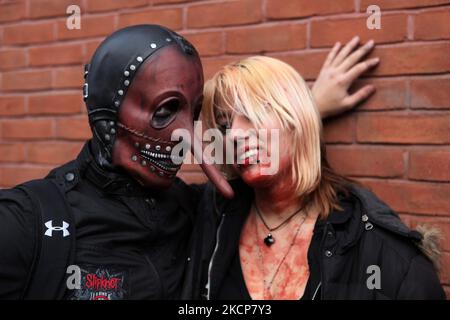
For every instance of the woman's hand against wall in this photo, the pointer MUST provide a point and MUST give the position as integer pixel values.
(339, 71)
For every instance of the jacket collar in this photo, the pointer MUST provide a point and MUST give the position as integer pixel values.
(381, 214)
(244, 196)
(108, 181)
(358, 203)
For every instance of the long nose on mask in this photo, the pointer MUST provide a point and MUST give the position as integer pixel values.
(210, 170)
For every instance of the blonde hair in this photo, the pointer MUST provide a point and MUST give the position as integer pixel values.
(261, 88)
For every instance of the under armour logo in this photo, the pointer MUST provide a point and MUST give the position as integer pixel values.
(51, 228)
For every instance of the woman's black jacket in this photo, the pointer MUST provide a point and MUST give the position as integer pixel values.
(362, 252)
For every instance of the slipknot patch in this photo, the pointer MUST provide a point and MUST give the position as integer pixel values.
(101, 283)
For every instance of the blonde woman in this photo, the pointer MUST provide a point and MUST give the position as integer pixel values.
(303, 232)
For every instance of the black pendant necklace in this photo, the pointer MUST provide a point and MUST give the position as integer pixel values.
(269, 240)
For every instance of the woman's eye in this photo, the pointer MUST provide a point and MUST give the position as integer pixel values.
(165, 113)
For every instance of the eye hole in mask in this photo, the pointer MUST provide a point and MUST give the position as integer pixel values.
(165, 113)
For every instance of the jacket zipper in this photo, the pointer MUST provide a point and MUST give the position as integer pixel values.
(315, 291)
(321, 264)
(208, 285)
(153, 268)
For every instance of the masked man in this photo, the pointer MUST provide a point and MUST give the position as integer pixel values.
(114, 223)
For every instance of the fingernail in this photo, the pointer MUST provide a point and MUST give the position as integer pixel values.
(370, 43)
(376, 60)
(356, 38)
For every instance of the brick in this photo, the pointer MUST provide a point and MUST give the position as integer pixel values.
(68, 77)
(12, 11)
(28, 129)
(447, 289)
(90, 27)
(101, 5)
(207, 43)
(12, 105)
(224, 13)
(432, 25)
(12, 152)
(303, 8)
(431, 93)
(429, 164)
(191, 167)
(13, 175)
(326, 32)
(171, 18)
(91, 46)
(192, 177)
(55, 103)
(412, 59)
(51, 8)
(12, 58)
(413, 197)
(445, 271)
(73, 128)
(55, 153)
(29, 33)
(398, 4)
(55, 55)
(339, 129)
(366, 161)
(212, 65)
(442, 224)
(308, 64)
(266, 38)
(403, 128)
(26, 80)
(391, 94)
(159, 2)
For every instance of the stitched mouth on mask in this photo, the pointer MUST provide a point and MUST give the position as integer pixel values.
(162, 161)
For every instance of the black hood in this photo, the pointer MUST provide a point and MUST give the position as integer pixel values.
(110, 73)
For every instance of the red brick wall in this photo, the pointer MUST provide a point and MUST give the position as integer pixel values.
(398, 143)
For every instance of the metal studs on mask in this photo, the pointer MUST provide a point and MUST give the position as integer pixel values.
(127, 82)
(158, 147)
(111, 131)
(127, 73)
(147, 146)
(134, 158)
